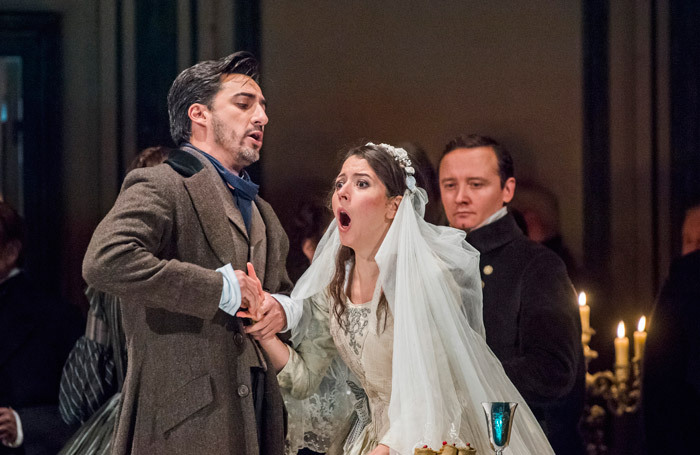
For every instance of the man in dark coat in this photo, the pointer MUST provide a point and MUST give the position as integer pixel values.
(183, 248)
(37, 333)
(671, 379)
(530, 310)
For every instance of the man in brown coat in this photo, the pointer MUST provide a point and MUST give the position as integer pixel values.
(175, 248)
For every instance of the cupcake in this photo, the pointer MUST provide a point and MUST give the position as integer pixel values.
(425, 450)
(448, 449)
(468, 450)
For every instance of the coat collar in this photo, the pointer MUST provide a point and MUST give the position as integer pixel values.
(202, 186)
(208, 191)
(275, 238)
(495, 235)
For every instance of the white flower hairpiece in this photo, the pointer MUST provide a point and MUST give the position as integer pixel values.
(404, 161)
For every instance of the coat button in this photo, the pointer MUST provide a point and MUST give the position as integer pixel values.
(243, 390)
(488, 270)
(483, 284)
(238, 339)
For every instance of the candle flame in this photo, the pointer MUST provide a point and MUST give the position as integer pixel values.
(642, 324)
(621, 330)
(582, 299)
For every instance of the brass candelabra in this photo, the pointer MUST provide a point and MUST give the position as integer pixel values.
(621, 389)
(608, 393)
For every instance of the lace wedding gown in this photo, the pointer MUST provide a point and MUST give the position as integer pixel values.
(365, 347)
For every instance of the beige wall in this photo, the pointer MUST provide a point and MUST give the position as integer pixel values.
(394, 71)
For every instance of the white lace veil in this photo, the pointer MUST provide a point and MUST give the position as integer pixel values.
(442, 369)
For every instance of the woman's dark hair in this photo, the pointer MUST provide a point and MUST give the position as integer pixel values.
(394, 178)
(426, 178)
(150, 156)
(311, 220)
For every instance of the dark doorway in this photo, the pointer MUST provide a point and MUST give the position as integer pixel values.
(30, 140)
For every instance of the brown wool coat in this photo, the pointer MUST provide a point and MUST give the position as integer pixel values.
(188, 386)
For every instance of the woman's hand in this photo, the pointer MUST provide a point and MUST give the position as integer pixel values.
(276, 351)
(271, 319)
(252, 295)
(381, 449)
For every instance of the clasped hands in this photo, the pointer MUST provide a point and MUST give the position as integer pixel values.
(260, 306)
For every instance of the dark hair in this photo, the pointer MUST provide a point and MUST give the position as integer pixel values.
(505, 161)
(311, 220)
(394, 178)
(11, 227)
(150, 156)
(199, 84)
(426, 178)
(693, 206)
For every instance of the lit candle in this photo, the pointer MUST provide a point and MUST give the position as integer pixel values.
(585, 313)
(622, 347)
(640, 338)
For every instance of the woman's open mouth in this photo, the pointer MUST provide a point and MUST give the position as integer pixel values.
(343, 220)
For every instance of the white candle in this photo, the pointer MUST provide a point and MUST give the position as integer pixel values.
(640, 338)
(622, 347)
(585, 313)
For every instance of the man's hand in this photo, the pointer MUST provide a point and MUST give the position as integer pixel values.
(271, 319)
(252, 295)
(8, 426)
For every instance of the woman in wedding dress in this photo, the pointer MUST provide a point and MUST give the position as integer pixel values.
(399, 300)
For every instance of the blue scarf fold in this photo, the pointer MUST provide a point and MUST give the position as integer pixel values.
(244, 190)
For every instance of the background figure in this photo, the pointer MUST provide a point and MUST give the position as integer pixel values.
(691, 230)
(94, 372)
(150, 156)
(309, 224)
(37, 332)
(426, 178)
(671, 378)
(539, 208)
(525, 288)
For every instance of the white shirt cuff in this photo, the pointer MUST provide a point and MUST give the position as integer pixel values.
(230, 301)
(292, 309)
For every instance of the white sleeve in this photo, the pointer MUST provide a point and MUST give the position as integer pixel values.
(230, 301)
(292, 309)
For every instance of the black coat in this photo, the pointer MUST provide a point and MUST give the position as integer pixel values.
(533, 326)
(37, 333)
(671, 379)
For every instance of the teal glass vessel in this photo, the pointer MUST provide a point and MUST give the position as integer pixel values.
(499, 421)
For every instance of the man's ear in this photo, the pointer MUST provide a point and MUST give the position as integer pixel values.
(198, 113)
(509, 190)
(393, 207)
